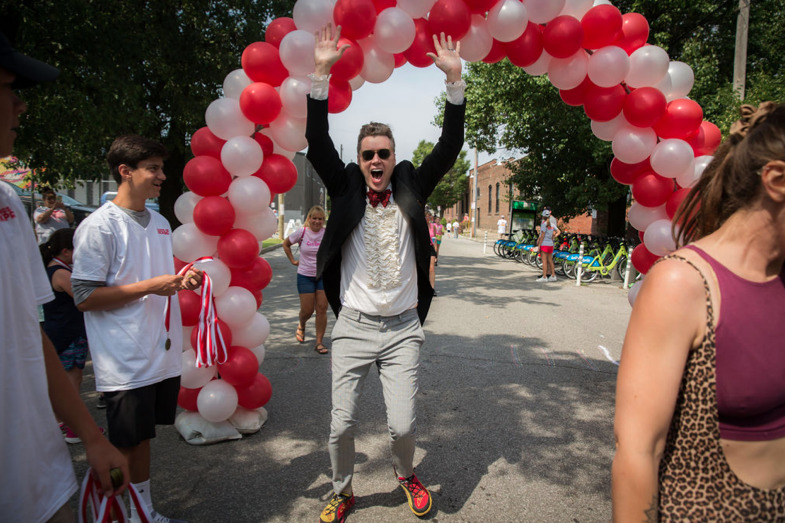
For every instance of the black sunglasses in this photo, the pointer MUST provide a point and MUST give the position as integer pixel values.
(368, 155)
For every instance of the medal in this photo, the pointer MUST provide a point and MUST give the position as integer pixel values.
(168, 344)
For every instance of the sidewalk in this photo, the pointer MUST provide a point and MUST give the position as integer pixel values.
(515, 410)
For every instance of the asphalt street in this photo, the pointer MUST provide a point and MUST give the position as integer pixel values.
(515, 410)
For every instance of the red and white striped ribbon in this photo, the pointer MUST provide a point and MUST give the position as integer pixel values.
(210, 345)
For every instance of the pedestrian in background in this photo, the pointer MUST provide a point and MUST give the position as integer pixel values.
(501, 227)
(700, 402)
(309, 287)
(545, 242)
(456, 227)
(51, 215)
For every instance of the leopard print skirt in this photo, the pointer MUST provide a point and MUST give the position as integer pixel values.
(696, 482)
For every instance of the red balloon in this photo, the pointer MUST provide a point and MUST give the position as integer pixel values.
(356, 17)
(479, 7)
(682, 118)
(178, 264)
(205, 143)
(186, 398)
(400, 59)
(206, 176)
(238, 248)
(258, 296)
(604, 103)
(350, 64)
(602, 25)
(706, 140)
(423, 43)
(241, 366)
(214, 215)
(266, 142)
(278, 172)
(262, 63)
(190, 307)
(627, 173)
(277, 29)
(260, 103)
(634, 32)
(640, 235)
(645, 106)
(497, 52)
(226, 334)
(674, 201)
(255, 277)
(651, 189)
(451, 17)
(526, 49)
(257, 394)
(563, 36)
(642, 259)
(340, 96)
(577, 95)
(381, 5)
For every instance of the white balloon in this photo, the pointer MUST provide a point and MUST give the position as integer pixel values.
(219, 274)
(632, 294)
(568, 73)
(242, 155)
(689, 178)
(478, 41)
(682, 79)
(253, 333)
(187, 338)
(507, 20)
(607, 130)
(194, 377)
(294, 92)
(416, 8)
(225, 119)
(312, 15)
(277, 149)
(665, 86)
(217, 401)
(608, 66)
(249, 195)
(394, 30)
(236, 306)
(378, 64)
(633, 144)
(543, 11)
(259, 352)
(641, 216)
(184, 206)
(189, 243)
(357, 82)
(289, 132)
(539, 67)
(648, 65)
(658, 238)
(576, 8)
(672, 157)
(235, 82)
(253, 223)
(296, 52)
(601, 2)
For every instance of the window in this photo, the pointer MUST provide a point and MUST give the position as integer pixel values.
(490, 196)
(497, 198)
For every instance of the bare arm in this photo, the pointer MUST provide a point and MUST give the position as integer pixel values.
(68, 406)
(111, 297)
(61, 281)
(668, 319)
(287, 248)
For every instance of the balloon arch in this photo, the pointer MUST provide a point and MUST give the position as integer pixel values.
(598, 58)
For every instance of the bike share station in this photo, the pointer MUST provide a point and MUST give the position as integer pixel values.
(523, 216)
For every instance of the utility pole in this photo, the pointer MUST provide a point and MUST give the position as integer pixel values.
(740, 60)
(474, 195)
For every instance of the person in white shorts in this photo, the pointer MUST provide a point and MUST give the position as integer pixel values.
(123, 278)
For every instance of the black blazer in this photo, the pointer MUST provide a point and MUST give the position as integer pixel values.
(346, 187)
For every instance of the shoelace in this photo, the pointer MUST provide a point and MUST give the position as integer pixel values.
(335, 503)
(412, 485)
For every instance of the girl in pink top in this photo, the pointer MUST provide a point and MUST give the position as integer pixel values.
(311, 290)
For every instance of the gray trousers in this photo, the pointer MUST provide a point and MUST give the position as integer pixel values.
(393, 343)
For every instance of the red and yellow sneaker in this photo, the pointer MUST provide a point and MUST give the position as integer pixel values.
(337, 509)
(419, 497)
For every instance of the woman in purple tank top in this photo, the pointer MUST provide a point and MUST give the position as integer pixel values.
(700, 398)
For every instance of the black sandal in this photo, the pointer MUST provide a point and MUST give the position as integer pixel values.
(321, 349)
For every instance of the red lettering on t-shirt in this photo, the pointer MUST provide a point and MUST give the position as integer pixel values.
(6, 213)
(165, 232)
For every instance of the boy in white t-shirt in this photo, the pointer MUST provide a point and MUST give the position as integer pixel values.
(38, 477)
(123, 278)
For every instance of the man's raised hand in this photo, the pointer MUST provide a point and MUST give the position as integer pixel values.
(326, 51)
(447, 57)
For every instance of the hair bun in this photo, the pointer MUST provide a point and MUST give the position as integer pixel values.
(750, 117)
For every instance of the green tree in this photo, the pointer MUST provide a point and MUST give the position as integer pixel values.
(452, 187)
(127, 66)
(564, 165)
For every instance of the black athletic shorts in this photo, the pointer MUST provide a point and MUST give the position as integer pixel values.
(131, 415)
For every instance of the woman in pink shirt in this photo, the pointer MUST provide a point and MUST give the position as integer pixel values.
(312, 296)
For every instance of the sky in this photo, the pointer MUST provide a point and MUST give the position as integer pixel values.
(406, 102)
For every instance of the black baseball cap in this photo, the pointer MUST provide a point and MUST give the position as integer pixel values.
(28, 71)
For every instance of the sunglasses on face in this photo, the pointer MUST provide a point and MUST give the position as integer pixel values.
(368, 155)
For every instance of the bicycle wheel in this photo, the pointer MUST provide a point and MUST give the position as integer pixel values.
(589, 275)
(622, 267)
(568, 267)
(538, 260)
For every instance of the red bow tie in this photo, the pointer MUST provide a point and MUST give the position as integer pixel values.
(375, 198)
